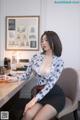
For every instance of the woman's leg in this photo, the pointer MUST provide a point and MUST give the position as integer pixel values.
(29, 115)
(46, 113)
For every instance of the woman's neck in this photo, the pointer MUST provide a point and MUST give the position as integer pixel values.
(48, 53)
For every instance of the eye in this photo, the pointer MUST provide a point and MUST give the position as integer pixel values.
(43, 40)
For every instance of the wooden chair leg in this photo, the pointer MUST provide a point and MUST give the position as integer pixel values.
(75, 115)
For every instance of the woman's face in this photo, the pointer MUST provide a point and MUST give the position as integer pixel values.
(45, 44)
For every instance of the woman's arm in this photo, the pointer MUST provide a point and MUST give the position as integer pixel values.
(28, 71)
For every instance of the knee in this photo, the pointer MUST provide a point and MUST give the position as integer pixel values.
(28, 115)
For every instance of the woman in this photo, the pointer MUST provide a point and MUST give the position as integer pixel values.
(47, 67)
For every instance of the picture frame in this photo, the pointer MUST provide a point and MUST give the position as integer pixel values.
(22, 33)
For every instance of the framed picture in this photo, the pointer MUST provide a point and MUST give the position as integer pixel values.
(22, 33)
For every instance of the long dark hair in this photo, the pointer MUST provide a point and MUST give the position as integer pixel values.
(54, 42)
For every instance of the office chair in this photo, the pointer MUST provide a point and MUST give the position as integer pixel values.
(69, 82)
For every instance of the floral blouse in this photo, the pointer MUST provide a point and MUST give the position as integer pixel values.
(47, 79)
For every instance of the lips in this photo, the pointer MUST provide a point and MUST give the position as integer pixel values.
(44, 46)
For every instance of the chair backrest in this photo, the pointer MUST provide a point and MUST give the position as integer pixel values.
(69, 82)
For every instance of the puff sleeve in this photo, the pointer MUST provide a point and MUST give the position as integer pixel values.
(27, 73)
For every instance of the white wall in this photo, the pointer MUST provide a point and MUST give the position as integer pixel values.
(62, 18)
(65, 20)
(0, 29)
(16, 8)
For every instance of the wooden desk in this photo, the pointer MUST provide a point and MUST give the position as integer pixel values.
(8, 90)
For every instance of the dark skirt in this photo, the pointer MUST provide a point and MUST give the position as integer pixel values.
(55, 98)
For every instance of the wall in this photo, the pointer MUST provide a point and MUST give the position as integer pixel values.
(0, 29)
(62, 18)
(65, 20)
(16, 8)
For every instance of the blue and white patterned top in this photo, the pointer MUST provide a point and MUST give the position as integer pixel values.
(48, 79)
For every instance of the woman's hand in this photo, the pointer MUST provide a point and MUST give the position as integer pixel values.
(30, 104)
